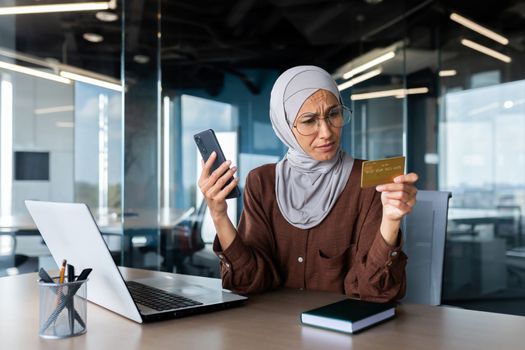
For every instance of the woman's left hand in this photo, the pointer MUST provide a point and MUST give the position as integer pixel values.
(398, 197)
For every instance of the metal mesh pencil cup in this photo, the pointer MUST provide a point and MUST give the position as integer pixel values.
(63, 309)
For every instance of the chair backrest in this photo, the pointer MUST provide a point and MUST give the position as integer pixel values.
(424, 243)
(196, 227)
(510, 230)
(187, 237)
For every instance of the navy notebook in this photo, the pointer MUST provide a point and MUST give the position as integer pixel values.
(348, 315)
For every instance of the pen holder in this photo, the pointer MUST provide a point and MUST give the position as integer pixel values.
(63, 309)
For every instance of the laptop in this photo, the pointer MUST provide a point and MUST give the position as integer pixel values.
(71, 233)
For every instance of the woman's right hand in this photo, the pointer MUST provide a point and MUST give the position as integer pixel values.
(211, 185)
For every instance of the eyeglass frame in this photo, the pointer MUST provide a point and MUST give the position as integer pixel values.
(318, 123)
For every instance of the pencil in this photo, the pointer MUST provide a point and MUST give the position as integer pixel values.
(60, 280)
(62, 271)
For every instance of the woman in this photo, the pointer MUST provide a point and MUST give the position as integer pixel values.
(306, 222)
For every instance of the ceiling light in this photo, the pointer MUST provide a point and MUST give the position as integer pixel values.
(447, 73)
(416, 91)
(374, 62)
(64, 124)
(57, 109)
(34, 72)
(508, 104)
(139, 241)
(483, 109)
(69, 7)
(368, 60)
(486, 50)
(413, 91)
(106, 16)
(389, 93)
(93, 37)
(49, 63)
(479, 29)
(431, 158)
(142, 59)
(92, 81)
(359, 79)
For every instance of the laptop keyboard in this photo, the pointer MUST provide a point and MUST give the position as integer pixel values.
(157, 299)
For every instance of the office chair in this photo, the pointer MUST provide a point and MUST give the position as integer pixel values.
(424, 243)
(185, 240)
(509, 229)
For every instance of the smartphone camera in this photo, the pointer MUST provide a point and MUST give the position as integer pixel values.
(200, 145)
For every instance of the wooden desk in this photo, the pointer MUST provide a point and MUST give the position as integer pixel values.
(165, 218)
(136, 227)
(473, 216)
(267, 321)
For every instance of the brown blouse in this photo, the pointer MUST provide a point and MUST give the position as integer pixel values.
(345, 253)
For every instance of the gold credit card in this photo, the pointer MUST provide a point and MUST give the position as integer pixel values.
(383, 171)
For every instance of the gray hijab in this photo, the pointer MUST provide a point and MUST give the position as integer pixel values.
(306, 189)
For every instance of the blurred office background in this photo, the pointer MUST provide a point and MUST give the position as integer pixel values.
(99, 106)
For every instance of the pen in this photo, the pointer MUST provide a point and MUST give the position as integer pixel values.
(44, 276)
(71, 304)
(70, 273)
(84, 274)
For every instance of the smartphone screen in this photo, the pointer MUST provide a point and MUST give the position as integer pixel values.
(207, 143)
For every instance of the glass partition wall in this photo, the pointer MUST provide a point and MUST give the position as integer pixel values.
(481, 161)
(418, 84)
(465, 135)
(421, 79)
(62, 122)
(67, 80)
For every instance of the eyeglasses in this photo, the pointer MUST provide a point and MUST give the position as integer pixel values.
(308, 123)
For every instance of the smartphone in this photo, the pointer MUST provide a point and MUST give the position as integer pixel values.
(207, 143)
